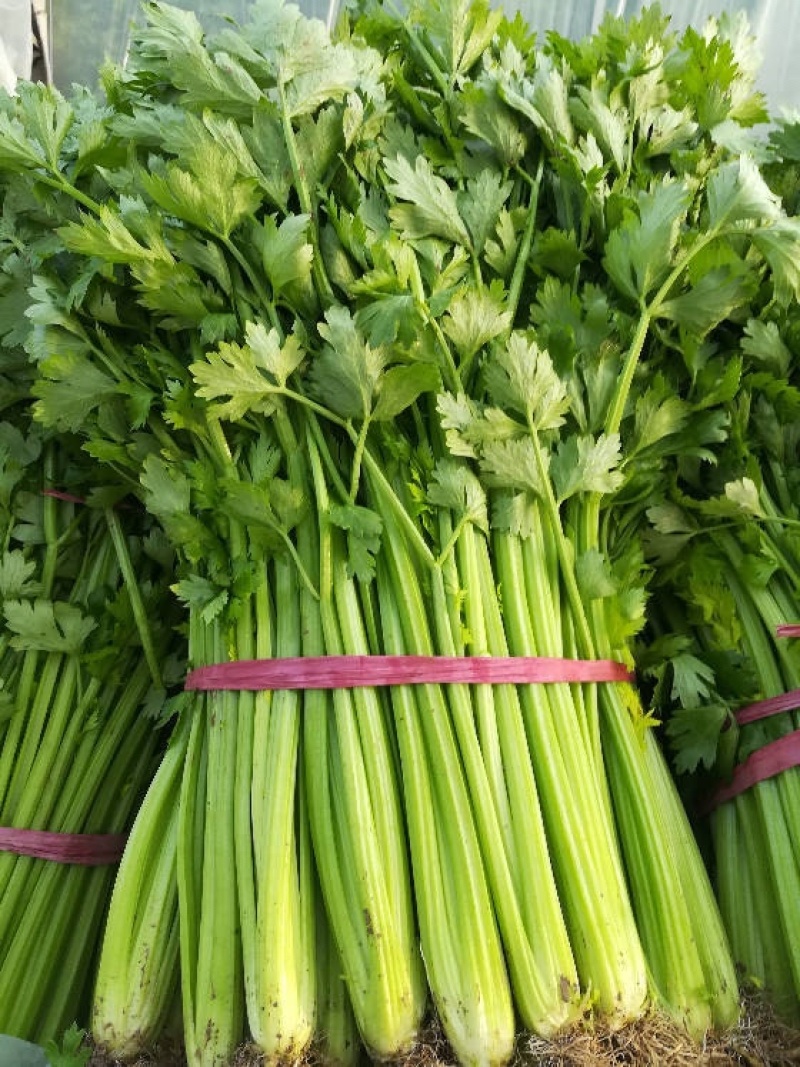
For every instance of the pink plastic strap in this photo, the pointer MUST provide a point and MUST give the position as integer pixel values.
(762, 709)
(347, 672)
(68, 498)
(764, 763)
(86, 850)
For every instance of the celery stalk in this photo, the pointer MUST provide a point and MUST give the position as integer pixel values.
(357, 828)
(138, 967)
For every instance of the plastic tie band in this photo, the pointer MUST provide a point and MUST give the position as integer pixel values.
(776, 756)
(349, 672)
(83, 850)
(68, 498)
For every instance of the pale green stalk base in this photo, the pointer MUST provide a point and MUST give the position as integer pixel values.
(582, 836)
(460, 940)
(211, 955)
(690, 962)
(337, 1041)
(137, 975)
(755, 915)
(274, 862)
(355, 812)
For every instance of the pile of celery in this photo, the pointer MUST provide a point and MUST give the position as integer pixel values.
(380, 330)
(77, 737)
(725, 547)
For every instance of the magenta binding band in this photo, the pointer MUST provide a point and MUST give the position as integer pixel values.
(348, 672)
(68, 498)
(772, 759)
(85, 850)
(762, 709)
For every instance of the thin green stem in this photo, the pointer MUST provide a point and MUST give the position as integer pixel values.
(324, 287)
(135, 595)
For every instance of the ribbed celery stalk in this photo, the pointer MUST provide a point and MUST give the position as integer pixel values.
(467, 974)
(211, 957)
(582, 836)
(282, 986)
(356, 820)
(688, 954)
(499, 776)
(137, 974)
(337, 1041)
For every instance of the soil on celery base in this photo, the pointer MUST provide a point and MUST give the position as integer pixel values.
(760, 1040)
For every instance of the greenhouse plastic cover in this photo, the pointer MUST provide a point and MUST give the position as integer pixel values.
(775, 24)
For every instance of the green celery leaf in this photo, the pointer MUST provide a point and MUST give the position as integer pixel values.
(211, 194)
(274, 507)
(736, 192)
(177, 292)
(659, 414)
(71, 1051)
(363, 537)
(387, 317)
(267, 145)
(556, 252)
(743, 494)
(711, 300)
(18, 152)
(346, 374)
(16, 574)
(779, 244)
(46, 625)
(521, 377)
(432, 210)
(694, 733)
(501, 253)
(47, 116)
(595, 576)
(250, 374)
(400, 386)
(474, 318)
(764, 343)
(456, 487)
(480, 205)
(544, 99)
(227, 134)
(108, 238)
(70, 389)
(785, 137)
(586, 465)
(639, 252)
(461, 29)
(285, 252)
(485, 116)
(513, 465)
(610, 127)
(319, 144)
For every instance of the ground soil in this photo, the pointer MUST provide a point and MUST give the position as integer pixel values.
(760, 1040)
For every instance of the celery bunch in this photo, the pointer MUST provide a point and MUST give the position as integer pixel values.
(381, 330)
(77, 737)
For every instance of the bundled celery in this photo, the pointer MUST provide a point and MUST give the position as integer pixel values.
(726, 548)
(383, 331)
(77, 741)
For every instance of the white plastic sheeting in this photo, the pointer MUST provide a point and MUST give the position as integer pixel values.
(16, 42)
(99, 28)
(774, 23)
